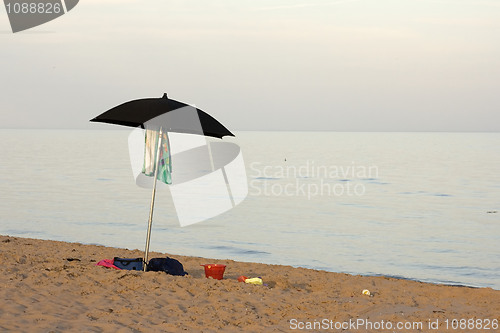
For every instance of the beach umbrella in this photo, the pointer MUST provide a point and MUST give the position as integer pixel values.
(138, 112)
(160, 116)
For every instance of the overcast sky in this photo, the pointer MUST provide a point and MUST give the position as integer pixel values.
(346, 65)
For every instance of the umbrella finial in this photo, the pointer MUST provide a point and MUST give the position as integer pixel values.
(165, 96)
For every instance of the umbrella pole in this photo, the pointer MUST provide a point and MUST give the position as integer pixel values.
(150, 222)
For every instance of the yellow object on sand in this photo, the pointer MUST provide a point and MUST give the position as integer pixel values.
(366, 292)
(254, 281)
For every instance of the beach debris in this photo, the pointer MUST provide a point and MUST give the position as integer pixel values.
(168, 265)
(256, 280)
(491, 212)
(22, 259)
(214, 271)
(366, 292)
(107, 263)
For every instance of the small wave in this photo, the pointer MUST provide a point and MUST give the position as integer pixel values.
(237, 250)
(21, 233)
(107, 224)
(426, 193)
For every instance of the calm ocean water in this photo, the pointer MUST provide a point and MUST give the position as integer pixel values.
(424, 206)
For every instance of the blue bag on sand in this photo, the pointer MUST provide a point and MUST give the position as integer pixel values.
(167, 265)
(134, 264)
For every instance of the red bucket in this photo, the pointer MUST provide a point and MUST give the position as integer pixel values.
(215, 271)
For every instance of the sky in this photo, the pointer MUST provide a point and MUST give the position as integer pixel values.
(288, 65)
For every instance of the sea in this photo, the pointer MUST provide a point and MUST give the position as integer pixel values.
(420, 206)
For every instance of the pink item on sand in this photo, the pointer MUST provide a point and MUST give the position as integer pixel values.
(107, 263)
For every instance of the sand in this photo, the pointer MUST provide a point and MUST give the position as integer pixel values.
(49, 286)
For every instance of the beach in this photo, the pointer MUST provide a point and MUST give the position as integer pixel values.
(52, 286)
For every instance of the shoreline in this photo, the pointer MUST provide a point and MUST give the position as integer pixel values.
(54, 285)
(396, 277)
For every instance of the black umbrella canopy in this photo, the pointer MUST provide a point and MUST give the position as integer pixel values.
(153, 112)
